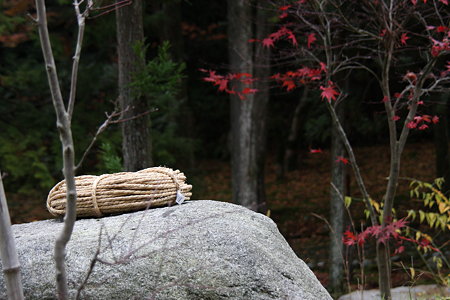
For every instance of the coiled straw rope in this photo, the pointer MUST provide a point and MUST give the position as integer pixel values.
(121, 192)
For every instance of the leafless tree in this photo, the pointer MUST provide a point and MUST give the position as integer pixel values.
(8, 252)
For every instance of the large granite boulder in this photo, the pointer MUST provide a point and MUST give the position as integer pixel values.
(198, 250)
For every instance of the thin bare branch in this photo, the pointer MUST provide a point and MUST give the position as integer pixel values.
(101, 128)
(76, 57)
(8, 252)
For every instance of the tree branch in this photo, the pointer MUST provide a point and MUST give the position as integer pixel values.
(8, 252)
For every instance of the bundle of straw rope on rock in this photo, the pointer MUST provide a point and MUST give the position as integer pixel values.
(122, 192)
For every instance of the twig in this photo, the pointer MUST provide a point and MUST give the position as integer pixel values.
(100, 129)
(91, 266)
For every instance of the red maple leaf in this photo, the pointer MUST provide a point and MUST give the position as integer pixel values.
(249, 91)
(268, 42)
(441, 29)
(349, 238)
(314, 151)
(311, 39)
(222, 83)
(399, 224)
(342, 160)
(404, 38)
(284, 8)
(444, 1)
(329, 92)
(291, 36)
(289, 84)
(399, 250)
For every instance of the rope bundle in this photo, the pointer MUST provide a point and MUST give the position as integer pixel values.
(121, 192)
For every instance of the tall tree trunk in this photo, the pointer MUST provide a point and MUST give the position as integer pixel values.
(247, 116)
(290, 160)
(338, 181)
(441, 142)
(136, 139)
(172, 32)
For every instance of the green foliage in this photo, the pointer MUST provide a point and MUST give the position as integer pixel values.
(110, 160)
(436, 218)
(160, 83)
(432, 198)
(23, 157)
(161, 77)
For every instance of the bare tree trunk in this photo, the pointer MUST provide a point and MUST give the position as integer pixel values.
(173, 33)
(8, 252)
(248, 115)
(261, 71)
(136, 140)
(290, 159)
(63, 124)
(338, 181)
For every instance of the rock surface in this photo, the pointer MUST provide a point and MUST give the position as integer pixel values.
(198, 250)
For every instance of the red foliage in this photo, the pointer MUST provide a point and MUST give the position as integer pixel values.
(315, 151)
(425, 1)
(301, 76)
(223, 82)
(311, 39)
(404, 38)
(329, 92)
(275, 36)
(420, 121)
(384, 234)
(342, 160)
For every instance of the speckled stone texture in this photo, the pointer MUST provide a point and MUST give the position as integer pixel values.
(198, 250)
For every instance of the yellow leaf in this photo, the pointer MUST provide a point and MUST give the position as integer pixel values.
(443, 208)
(421, 215)
(418, 235)
(376, 205)
(413, 272)
(431, 218)
(347, 201)
(412, 213)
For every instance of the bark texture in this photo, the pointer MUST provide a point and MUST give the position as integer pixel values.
(63, 124)
(136, 140)
(338, 181)
(248, 115)
(8, 252)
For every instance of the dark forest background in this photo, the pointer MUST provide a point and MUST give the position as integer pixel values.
(191, 129)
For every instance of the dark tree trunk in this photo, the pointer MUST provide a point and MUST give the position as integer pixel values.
(290, 159)
(171, 31)
(441, 142)
(248, 116)
(136, 140)
(338, 191)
